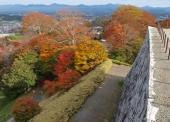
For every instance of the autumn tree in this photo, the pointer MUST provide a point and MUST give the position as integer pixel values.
(146, 20)
(132, 10)
(34, 23)
(125, 18)
(7, 50)
(64, 60)
(48, 53)
(130, 16)
(70, 26)
(89, 54)
(68, 79)
(165, 23)
(50, 87)
(115, 35)
(24, 109)
(104, 22)
(36, 42)
(66, 75)
(131, 34)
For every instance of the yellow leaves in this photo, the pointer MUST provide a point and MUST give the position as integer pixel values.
(132, 10)
(88, 54)
(47, 51)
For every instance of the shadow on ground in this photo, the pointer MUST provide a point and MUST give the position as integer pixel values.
(101, 105)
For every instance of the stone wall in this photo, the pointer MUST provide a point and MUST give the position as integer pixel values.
(134, 98)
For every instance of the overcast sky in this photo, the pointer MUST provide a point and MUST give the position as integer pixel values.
(139, 3)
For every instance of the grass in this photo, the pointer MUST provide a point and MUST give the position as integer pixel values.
(6, 108)
(5, 112)
(120, 83)
(105, 120)
(120, 63)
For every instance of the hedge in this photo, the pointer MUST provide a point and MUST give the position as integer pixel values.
(62, 108)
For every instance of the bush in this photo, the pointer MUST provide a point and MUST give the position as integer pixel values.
(24, 109)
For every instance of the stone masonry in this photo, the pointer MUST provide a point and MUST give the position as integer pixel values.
(133, 101)
(146, 92)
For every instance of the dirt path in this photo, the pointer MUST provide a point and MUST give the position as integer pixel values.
(101, 105)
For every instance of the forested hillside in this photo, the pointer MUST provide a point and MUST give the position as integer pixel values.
(126, 31)
(5, 17)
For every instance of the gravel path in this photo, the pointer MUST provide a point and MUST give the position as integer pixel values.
(101, 105)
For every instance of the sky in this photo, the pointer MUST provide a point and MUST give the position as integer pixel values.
(139, 3)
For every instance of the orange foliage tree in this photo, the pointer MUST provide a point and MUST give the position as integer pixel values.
(34, 23)
(70, 26)
(48, 51)
(125, 18)
(146, 20)
(165, 23)
(36, 42)
(24, 109)
(115, 35)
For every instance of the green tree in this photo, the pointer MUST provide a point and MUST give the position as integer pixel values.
(27, 56)
(21, 74)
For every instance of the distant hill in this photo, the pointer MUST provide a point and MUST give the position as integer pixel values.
(98, 10)
(51, 9)
(157, 11)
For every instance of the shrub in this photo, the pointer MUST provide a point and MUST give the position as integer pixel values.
(24, 109)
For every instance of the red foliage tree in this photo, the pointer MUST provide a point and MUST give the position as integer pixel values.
(65, 60)
(68, 79)
(50, 87)
(115, 35)
(24, 109)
